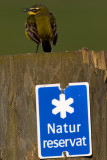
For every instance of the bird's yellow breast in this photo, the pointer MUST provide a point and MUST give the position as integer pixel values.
(44, 27)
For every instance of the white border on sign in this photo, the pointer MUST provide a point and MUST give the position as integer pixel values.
(38, 120)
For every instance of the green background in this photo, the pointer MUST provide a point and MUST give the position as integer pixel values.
(80, 23)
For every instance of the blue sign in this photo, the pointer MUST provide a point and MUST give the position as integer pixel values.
(63, 120)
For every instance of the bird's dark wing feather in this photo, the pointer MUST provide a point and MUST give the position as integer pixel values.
(54, 28)
(32, 32)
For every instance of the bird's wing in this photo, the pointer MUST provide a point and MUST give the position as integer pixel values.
(54, 28)
(32, 32)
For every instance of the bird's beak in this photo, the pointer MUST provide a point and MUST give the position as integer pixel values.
(26, 9)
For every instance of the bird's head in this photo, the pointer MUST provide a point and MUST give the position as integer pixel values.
(36, 9)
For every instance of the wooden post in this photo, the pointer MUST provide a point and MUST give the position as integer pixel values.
(18, 76)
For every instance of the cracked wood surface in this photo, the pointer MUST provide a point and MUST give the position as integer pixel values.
(18, 76)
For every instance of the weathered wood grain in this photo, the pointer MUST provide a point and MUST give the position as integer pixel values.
(18, 76)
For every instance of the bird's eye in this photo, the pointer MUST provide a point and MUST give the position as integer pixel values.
(35, 10)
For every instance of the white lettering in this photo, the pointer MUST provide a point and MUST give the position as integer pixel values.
(50, 144)
(59, 129)
(61, 143)
(78, 127)
(65, 128)
(72, 142)
(64, 142)
(51, 128)
(84, 141)
(72, 130)
(79, 142)
(44, 142)
(56, 143)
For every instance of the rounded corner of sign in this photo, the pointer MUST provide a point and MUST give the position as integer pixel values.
(37, 87)
(40, 156)
(90, 153)
(86, 83)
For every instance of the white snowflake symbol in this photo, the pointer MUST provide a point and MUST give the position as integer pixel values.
(62, 106)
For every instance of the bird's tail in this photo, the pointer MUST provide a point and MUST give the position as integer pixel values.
(46, 46)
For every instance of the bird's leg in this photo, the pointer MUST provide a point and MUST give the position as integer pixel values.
(37, 48)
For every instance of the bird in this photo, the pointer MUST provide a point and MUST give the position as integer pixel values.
(41, 26)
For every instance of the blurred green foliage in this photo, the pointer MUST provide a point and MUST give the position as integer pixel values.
(80, 23)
